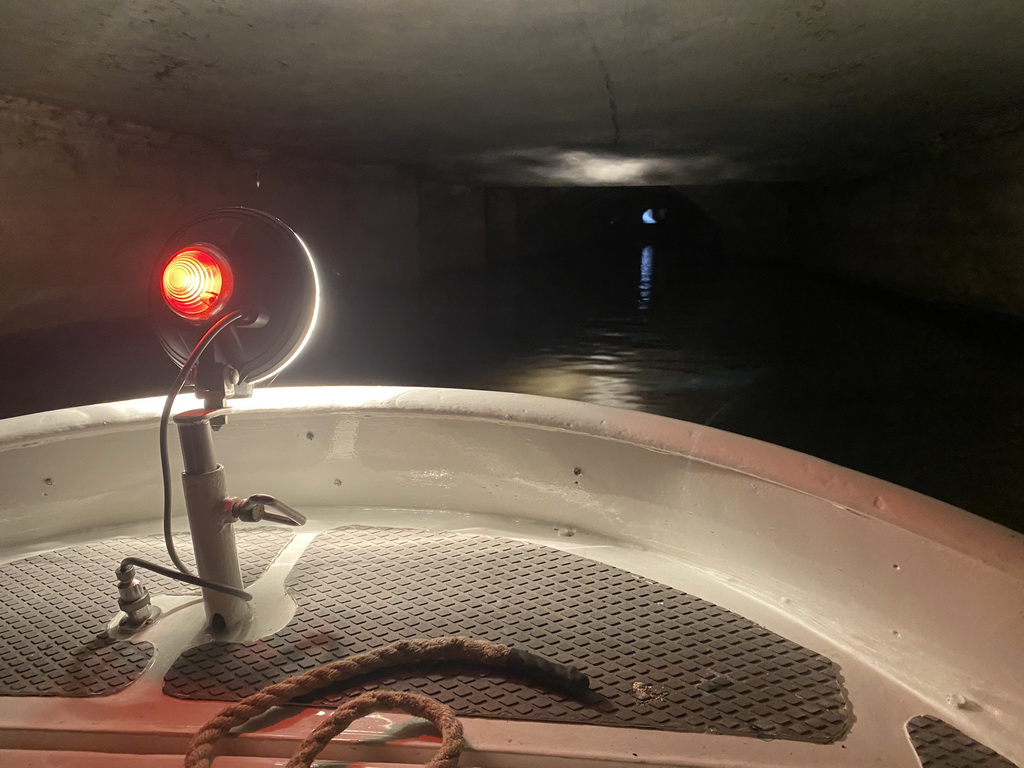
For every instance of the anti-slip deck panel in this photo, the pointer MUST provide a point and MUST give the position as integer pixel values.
(54, 610)
(940, 745)
(657, 657)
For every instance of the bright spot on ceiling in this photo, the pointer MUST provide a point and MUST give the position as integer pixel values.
(585, 168)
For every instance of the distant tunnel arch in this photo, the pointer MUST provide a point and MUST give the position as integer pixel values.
(584, 225)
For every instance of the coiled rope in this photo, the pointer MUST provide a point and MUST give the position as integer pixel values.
(515, 661)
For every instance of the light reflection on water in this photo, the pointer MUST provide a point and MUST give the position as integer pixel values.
(889, 387)
(646, 276)
(927, 398)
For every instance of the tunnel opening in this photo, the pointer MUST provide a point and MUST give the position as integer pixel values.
(597, 236)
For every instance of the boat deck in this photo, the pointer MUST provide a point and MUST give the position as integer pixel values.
(673, 672)
(733, 604)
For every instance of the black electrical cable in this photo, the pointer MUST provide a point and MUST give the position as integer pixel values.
(183, 573)
(165, 419)
(185, 577)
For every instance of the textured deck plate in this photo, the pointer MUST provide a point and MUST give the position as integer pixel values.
(54, 610)
(660, 657)
(940, 745)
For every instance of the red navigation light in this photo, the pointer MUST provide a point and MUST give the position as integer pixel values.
(196, 283)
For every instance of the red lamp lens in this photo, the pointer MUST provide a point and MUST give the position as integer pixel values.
(195, 283)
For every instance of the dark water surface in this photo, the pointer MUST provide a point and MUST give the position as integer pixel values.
(928, 397)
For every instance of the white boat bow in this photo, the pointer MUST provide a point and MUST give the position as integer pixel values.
(917, 605)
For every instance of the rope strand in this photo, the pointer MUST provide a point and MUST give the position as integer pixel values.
(200, 750)
(441, 715)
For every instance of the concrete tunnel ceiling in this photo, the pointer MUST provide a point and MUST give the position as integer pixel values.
(539, 91)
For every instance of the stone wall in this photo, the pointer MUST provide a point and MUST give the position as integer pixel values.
(949, 227)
